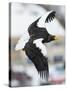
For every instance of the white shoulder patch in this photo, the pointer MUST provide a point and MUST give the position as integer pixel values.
(41, 46)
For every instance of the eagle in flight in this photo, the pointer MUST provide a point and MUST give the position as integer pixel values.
(33, 44)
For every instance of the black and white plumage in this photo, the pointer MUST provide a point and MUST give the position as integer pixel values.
(34, 45)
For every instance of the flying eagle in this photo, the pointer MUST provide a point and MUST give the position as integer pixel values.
(34, 46)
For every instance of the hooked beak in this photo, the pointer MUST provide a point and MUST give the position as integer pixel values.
(57, 38)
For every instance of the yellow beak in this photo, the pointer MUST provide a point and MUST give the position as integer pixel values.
(58, 37)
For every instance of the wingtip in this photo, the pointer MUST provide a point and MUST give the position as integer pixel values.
(44, 75)
(52, 11)
(50, 16)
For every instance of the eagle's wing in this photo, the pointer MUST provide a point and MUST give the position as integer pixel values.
(41, 64)
(36, 52)
(46, 18)
(41, 60)
(49, 16)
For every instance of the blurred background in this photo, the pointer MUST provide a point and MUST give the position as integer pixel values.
(23, 72)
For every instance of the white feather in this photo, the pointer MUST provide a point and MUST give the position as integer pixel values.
(41, 46)
(42, 20)
(23, 40)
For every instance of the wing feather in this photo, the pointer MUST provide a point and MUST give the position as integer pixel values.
(49, 16)
(46, 18)
(35, 54)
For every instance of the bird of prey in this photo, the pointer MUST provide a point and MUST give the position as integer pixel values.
(34, 46)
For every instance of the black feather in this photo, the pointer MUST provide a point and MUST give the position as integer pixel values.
(35, 55)
(50, 17)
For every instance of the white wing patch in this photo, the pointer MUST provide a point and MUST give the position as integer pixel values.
(41, 46)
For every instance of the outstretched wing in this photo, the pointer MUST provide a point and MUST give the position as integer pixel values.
(46, 18)
(36, 52)
(49, 16)
(41, 59)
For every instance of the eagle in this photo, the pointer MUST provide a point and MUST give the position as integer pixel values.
(34, 44)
